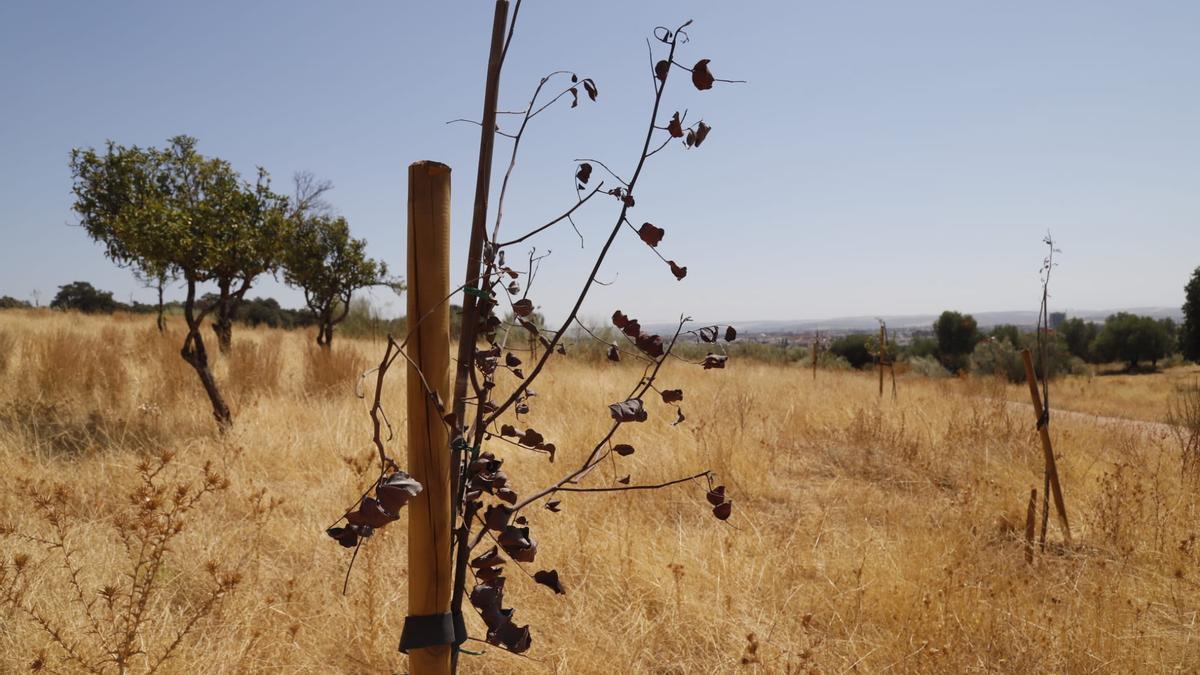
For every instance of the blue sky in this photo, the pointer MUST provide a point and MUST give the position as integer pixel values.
(883, 158)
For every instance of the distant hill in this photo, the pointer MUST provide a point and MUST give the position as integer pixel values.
(911, 321)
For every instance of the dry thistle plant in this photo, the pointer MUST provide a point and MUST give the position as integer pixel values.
(111, 625)
(494, 379)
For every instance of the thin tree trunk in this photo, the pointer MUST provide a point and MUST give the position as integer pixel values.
(199, 361)
(196, 356)
(470, 313)
(223, 327)
(161, 320)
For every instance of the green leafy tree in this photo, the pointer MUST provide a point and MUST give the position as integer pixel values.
(9, 302)
(1189, 332)
(177, 213)
(1079, 336)
(1132, 339)
(1006, 331)
(329, 265)
(998, 356)
(957, 335)
(857, 349)
(920, 347)
(83, 297)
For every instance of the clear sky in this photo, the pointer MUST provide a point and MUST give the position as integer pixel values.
(884, 157)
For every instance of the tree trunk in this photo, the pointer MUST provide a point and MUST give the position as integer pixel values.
(470, 316)
(196, 356)
(223, 327)
(324, 331)
(161, 320)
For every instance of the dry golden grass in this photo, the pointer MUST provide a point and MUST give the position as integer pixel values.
(1144, 396)
(881, 536)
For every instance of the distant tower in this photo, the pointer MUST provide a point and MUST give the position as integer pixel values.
(1056, 319)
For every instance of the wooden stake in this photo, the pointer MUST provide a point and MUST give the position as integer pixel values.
(882, 356)
(429, 572)
(1047, 450)
(892, 370)
(1030, 521)
(816, 344)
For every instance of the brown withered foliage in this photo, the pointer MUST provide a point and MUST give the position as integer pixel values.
(489, 507)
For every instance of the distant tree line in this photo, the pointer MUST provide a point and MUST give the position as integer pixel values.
(81, 296)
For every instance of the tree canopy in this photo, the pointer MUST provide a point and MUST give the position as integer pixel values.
(1189, 332)
(1131, 339)
(856, 349)
(329, 265)
(175, 212)
(1079, 336)
(82, 296)
(957, 335)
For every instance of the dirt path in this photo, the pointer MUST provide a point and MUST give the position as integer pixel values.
(1157, 428)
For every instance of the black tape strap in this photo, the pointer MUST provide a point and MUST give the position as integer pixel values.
(432, 630)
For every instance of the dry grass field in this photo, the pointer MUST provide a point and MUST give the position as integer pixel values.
(1145, 397)
(868, 535)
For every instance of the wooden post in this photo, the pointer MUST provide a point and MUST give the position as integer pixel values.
(1030, 522)
(882, 356)
(428, 329)
(816, 344)
(892, 370)
(1047, 450)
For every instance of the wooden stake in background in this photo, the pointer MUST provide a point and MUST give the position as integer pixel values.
(816, 346)
(882, 355)
(1051, 465)
(429, 572)
(1030, 525)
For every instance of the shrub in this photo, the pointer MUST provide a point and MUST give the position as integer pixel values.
(9, 302)
(919, 346)
(854, 348)
(927, 366)
(125, 614)
(1002, 359)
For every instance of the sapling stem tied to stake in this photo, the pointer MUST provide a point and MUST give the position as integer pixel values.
(492, 521)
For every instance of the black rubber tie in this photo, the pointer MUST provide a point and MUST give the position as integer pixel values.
(432, 630)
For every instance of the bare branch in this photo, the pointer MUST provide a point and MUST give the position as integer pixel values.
(658, 94)
(623, 488)
(604, 166)
(555, 221)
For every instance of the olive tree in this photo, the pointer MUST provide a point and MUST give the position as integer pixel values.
(174, 212)
(1131, 338)
(957, 335)
(322, 259)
